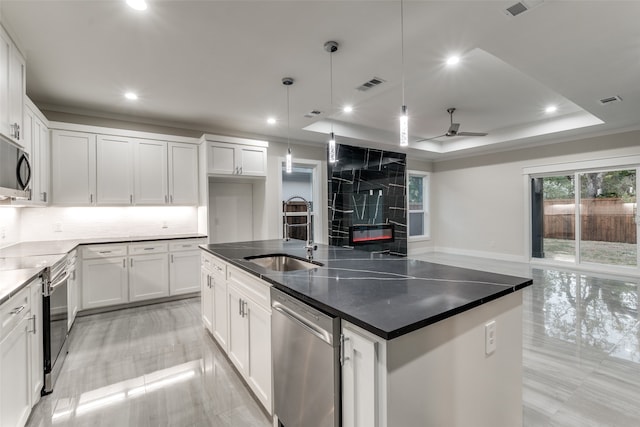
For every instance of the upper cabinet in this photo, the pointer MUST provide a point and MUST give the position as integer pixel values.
(12, 88)
(237, 157)
(122, 170)
(73, 168)
(35, 139)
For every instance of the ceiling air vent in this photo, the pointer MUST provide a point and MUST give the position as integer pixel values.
(521, 7)
(370, 84)
(610, 100)
(313, 113)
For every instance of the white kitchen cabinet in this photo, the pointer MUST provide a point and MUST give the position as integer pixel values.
(249, 340)
(35, 329)
(220, 312)
(73, 289)
(73, 168)
(359, 398)
(114, 170)
(104, 282)
(12, 88)
(15, 360)
(183, 174)
(148, 276)
(206, 298)
(35, 140)
(150, 172)
(234, 159)
(183, 272)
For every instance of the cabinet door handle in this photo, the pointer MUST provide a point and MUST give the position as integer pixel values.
(149, 249)
(43, 196)
(104, 252)
(17, 310)
(343, 357)
(130, 199)
(124, 263)
(131, 259)
(171, 258)
(171, 198)
(244, 309)
(166, 199)
(239, 307)
(91, 198)
(34, 324)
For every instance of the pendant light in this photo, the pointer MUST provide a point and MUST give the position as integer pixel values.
(288, 81)
(331, 47)
(404, 118)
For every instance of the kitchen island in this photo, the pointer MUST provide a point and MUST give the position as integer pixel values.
(427, 344)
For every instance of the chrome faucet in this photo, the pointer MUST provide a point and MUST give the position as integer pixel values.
(309, 246)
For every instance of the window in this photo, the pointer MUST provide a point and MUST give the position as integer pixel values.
(298, 183)
(418, 199)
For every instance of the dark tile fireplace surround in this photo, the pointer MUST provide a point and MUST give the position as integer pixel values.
(367, 200)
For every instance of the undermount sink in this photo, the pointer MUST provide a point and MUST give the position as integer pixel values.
(282, 262)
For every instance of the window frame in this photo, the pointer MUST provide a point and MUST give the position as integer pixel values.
(426, 193)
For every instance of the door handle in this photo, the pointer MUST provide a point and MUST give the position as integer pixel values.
(34, 324)
(343, 357)
(244, 309)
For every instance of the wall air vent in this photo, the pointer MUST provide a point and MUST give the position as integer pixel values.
(313, 113)
(370, 84)
(610, 100)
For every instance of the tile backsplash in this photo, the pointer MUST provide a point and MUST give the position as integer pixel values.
(56, 223)
(9, 225)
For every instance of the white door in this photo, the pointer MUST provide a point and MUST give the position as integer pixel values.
(41, 136)
(183, 174)
(104, 282)
(183, 272)
(114, 171)
(260, 352)
(206, 299)
(148, 277)
(358, 381)
(253, 161)
(230, 212)
(73, 164)
(221, 159)
(15, 364)
(221, 320)
(238, 330)
(35, 333)
(17, 92)
(150, 173)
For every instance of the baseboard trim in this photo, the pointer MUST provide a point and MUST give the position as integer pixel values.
(481, 254)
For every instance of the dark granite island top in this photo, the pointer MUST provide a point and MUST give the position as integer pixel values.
(386, 295)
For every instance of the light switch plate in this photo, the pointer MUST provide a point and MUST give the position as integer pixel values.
(490, 337)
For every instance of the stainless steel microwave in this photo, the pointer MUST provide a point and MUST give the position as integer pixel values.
(15, 171)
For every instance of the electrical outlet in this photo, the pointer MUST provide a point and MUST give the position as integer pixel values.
(490, 337)
(57, 227)
(164, 224)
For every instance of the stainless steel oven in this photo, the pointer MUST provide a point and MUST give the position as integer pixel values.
(54, 318)
(306, 367)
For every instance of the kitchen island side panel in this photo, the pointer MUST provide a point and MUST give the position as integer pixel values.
(440, 375)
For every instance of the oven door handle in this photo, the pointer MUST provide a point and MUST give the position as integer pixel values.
(59, 282)
(310, 327)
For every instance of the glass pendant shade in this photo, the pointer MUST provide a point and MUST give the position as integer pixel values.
(404, 127)
(332, 149)
(288, 165)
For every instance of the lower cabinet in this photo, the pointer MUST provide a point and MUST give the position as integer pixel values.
(359, 396)
(183, 272)
(104, 282)
(37, 356)
(240, 320)
(148, 277)
(17, 327)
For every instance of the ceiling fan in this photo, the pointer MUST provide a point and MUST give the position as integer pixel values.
(454, 129)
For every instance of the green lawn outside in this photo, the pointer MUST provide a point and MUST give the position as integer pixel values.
(592, 251)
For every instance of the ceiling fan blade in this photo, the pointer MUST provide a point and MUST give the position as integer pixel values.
(472, 134)
(432, 138)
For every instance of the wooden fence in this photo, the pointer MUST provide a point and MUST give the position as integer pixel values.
(604, 220)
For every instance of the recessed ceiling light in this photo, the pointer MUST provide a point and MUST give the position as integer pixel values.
(551, 109)
(347, 108)
(137, 4)
(453, 60)
(271, 121)
(131, 96)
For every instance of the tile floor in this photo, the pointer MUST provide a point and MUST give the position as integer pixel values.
(155, 366)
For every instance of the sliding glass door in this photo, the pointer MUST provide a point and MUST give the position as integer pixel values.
(585, 217)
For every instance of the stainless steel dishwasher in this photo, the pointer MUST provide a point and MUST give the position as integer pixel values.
(306, 368)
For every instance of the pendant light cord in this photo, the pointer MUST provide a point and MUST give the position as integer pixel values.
(402, 44)
(288, 125)
(331, 86)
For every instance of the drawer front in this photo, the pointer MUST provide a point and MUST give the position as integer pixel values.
(185, 245)
(256, 289)
(14, 310)
(104, 251)
(148, 248)
(214, 264)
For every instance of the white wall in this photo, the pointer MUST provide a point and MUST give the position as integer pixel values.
(478, 203)
(82, 222)
(9, 225)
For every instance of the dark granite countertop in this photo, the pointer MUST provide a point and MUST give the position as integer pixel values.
(386, 295)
